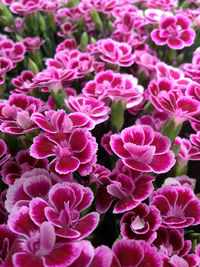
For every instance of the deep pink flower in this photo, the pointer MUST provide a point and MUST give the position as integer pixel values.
(32, 43)
(102, 6)
(105, 142)
(123, 185)
(68, 44)
(15, 114)
(135, 253)
(140, 223)
(192, 70)
(187, 151)
(174, 74)
(38, 246)
(14, 51)
(155, 120)
(142, 149)
(174, 31)
(178, 206)
(23, 82)
(94, 109)
(49, 6)
(3, 155)
(74, 151)
(67, 29)
(8, 241)
(53, 78)
(34, 183)
(12, 170)
(25, 7)
(59, 122)
(115, 52)
(165, 5)
(5, 66)
(173, 249)
(164, 98)
(66, 202)
(182, 180)
(115, 86)
(193, 90)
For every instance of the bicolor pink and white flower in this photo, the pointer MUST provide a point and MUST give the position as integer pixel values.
(4, 156)
(140, 223)
(142, 149)
(32, 43)
(178, 206)
(15, 114)
(174, 31)
(65, 203)
(96, 110)
(123, 185)
(75, 150)
(38, 244)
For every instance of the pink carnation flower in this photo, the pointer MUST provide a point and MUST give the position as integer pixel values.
(178, 206)
(65, 203)
(96, 110)
(15, 114)
(187, 151)
(37, 245)
(32, 43)
(12, 170)
(123, 185)
(5, 65)
(135, 253)
(140, 223)
(75, 150)
(32, 183)
(142, 149)
(25, 7)
(164, 98)
(115, 86)
(115, 52)
(174, 31)
(173, 249)
(3, 152)
(23, 82)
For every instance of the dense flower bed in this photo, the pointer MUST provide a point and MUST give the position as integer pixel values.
(99, 133)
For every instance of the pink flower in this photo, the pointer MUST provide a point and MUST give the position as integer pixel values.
(53, 78)
(135, 253)
(68, 44)
(155, 120)
(15, 115)
(14, 51)
(31, 184)
(123, 185)
(3, 149)
(140, 223)
(142, 149)
(5, 66)
(25, 7)
(94, 109)
(115, 52)
(74, 150)
(65, 203)
(32, 43)
(12, 170)
(180, 107)
(49, 6)
(8, 241)
(182, 180)
(187, 151)
(105, 142)
(23, 82)
(38, 245)
(115, 86)
(174, 31)
(67, 29)
(165, 5)
(178, 206)
(173, 249)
